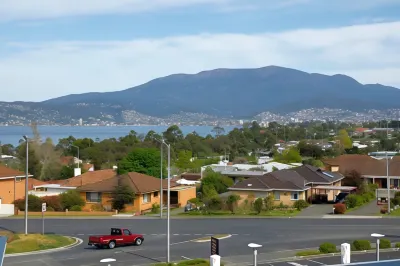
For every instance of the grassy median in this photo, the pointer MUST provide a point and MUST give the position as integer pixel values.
(34, 242)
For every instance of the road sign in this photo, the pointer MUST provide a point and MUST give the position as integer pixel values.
(3, 245)
(214, 246)
(43, 207)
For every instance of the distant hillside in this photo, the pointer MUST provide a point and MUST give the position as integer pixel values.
(230, 93)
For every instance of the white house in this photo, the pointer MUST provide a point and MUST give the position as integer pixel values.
(49, 190)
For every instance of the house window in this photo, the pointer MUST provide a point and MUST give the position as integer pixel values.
(277, 195)
(93, 196)
(294, 196)
(155, 194)
(146, 198)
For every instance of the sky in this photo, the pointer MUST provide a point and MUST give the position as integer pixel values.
(51, 48)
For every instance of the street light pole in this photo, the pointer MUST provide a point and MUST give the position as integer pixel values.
(161, 183)
(378, 237)
(388, 181)
(26, 185)
(168, 198)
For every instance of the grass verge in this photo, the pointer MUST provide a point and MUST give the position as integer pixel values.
(273, 213)
(305, 253)
(36, 242)
(208, 238)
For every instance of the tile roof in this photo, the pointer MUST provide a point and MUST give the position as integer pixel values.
(290, 179)
(316, 175)
(35, 182)
(88, 178)
(139, 183)
(9, 172)
(365, 164)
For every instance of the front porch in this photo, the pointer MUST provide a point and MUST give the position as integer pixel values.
(381, 181)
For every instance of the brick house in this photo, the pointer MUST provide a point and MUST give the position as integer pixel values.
(288, 186)
(373, 170)
(146, 189)
(12, 184)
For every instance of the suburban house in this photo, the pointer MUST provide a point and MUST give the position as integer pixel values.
(289, 185)
(373, 170)
(12, 184)
(46, 189)
(86, 178)
(146, 189)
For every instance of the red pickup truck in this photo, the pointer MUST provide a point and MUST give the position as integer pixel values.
(118, 237)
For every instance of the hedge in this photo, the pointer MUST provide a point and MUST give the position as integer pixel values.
(385, 243)
(360, 245)
(327, 248)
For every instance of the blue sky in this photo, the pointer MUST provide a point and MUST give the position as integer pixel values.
(50, 48)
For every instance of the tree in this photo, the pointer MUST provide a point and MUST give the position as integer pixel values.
(142, 160)
(218, 131)
(184, 160)
(232, 202)
(216, 181)
(344, 139)
(173, 135)
(269, 202)
(290, 155)
(122, 195)
(258, 205)
(34, 164)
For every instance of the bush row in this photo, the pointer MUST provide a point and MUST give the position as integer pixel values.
(70, 200)
(357, 245)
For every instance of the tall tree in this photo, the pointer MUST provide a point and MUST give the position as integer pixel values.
(144, 161)
(344, 139)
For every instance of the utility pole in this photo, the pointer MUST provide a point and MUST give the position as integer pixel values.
(168, 199)
(26, 185)
(161, 181)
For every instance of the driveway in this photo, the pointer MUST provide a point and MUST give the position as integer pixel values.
(316, 210)
(369, 209)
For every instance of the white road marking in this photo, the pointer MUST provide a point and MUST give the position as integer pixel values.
(80, 234)
(186, 258)
(181, 242)
(296, 264)
(174, 234)
(317, 262)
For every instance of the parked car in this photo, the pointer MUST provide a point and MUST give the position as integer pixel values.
(118, 237)
(340, 198)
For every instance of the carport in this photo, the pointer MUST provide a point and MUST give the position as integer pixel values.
(325, 194)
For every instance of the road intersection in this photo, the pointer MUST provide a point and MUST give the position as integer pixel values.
(278, 237)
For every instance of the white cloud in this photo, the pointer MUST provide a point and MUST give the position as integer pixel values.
(40, 71)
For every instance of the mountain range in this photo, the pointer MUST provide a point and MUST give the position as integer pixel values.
(236, 93)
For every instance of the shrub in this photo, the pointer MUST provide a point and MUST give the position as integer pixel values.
(215, 203)
(195, 201)
(327, 248)
(34, 204)
(300, 204)
(258, 205)
(269, 202)
(385, 243)
(155, 208)
(397, 245)
(97, 207)
(304, 253)
(76, 208)
(384, 210)
(395, 201)
(232, 202)
(120, 196)
(50, 209)
(353, 201)
(397, 194)
(53, 202)
(71, 198)
(361, 245)
(339, 208)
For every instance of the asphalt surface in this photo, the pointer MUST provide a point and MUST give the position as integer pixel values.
(276, 235)
(336, 260)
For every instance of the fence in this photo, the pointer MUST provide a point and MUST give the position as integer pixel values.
(68, 213)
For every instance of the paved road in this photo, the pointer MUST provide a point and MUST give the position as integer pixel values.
(336, 260)
(274, 234)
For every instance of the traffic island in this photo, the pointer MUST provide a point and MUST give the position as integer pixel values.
(21, 243)
(208, 238)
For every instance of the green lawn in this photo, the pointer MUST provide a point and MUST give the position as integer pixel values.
(36, 242)
(394, 213)
(273, 213)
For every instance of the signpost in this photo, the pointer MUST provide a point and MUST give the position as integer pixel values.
(3, 245)
(214, 246)
(43, 211)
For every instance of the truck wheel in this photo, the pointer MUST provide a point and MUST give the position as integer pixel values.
(138, 241)
(111, 245)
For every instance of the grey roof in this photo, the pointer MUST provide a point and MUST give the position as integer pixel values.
(243, 173)
(316, 175)
(221, 168)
